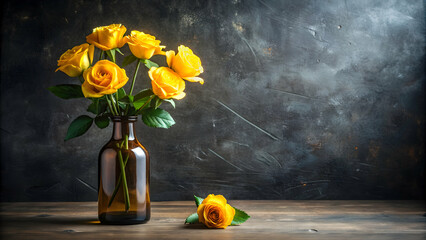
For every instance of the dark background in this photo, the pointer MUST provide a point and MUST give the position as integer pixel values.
(302, 99)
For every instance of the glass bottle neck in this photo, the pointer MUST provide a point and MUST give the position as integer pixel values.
(124, 126)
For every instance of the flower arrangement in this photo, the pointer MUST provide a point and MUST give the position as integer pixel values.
(103, 81)
(215, 212)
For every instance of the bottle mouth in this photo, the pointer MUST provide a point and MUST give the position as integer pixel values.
(124, 118)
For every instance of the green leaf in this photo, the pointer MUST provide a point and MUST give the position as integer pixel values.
(102, 121)
(98, 106)
(171, 102)
(142, 94)
(158, 102)
(118, 50)
(127, 99)
(193, 218)
(141, 98)
(198, 200)
(79, 126)
(102, 106)
(240, 217)
(67, 91)
(101, 55)
(121, 93)
(157, 118)
(139, 103)
(111, 54)
(129, 59)
(149, 64)
(93, 108)
(122, 105)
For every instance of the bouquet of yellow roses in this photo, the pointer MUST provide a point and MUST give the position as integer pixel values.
(103, 81)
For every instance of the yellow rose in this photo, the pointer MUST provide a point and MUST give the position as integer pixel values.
(214, 212)
(104, 77)
(107, 37)
(186, 64)
(74, 61)
(144, 45)
(166, 83)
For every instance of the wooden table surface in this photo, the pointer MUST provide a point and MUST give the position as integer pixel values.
(402, 220)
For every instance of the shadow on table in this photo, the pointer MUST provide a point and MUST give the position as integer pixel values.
(195, 226)
(47, 219)
(50, 219)
(85, 221)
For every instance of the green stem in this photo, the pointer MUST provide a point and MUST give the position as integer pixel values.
(134, 76)
(123, 174)
(110, 106)
(101, 55)
(117, 187)
(80, 77)
(113, 105)
(120, 177)
(133, 82)
(118, 105)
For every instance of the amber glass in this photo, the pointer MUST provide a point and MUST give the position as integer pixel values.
(124, 200)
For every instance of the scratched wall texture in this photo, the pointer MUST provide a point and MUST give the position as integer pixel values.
(302, 100)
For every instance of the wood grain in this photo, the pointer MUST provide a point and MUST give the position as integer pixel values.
(269, 219)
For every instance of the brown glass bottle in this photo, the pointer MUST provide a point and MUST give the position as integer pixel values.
(124, 198)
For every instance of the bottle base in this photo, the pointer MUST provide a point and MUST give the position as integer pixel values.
(123, 218)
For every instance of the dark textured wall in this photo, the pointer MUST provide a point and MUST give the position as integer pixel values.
(302, 100)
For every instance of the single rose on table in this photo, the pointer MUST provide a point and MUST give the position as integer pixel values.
(215, 212)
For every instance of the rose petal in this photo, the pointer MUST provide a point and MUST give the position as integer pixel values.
(194, 79)
(169, 56)
(70, 70)
(89, 91)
